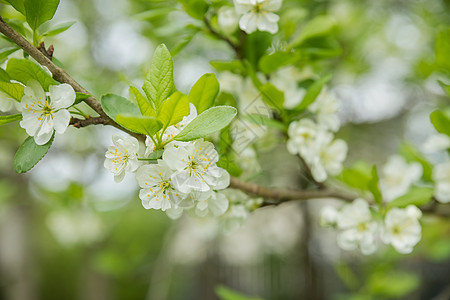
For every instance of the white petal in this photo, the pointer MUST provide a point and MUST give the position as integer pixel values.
(61, 96)
(30, 123)
(118, 178)
(61, 120)
(248, 22)
(34, 90)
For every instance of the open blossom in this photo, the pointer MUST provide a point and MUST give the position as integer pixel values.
(227, 19)
(122, 157)
(402, 228)
(258, 14)
(328, 216)
(441, 177)
(437, 142)
(44, 113)
(397, 176)
(301, 136)
(172, 131)
(358, 227)
(211, 202)
(326, 107)
(194, 166)
(286, 80)
(157, 190)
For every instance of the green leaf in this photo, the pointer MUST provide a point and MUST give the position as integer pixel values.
(319, 26)
(411, 154)
(13, 90)
(357, 177)
(11, 118)
(234, 66)
(156, 154)
(29, 154)
(144, 106)
(80, 97)
(373, 186)
(4, 77)
(229, 165)
(174, 109)
(312, 92)
(225, 293)
(417, 196)
(209, 121)
(445, 87)
(18, 5)
(269, 63)
(272, 96)
(195, 8)
(204, 92)
(60, 28)
(114, 105)
(440, 121)
(443, 48)
(265, 121)
(255, 46)
(39, 11)
(5, 52)
(24, 70)
(159, 85)
(139, 124)
(392, 284)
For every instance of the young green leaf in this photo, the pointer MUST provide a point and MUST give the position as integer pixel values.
(195, 8)
(5, 52)
(18, 5)
(60, 28)
(225, 293)
(269, 63)
(114, 105)
(440, 121)
(356, 178)
(174, 109)
(312, 92)
(39, 11)
(319, 26)
(29, 154)
(159, 85)
(11, 118)
(139, 124)
(4, 77)
(204, 92)
(272, 96)
(24, 70)
(374, 186)
(144, 106)
(412, 154)
(234, 66)
(80, 97)
(416, 196)
(443, 48)
(13, 90)
(445, 87)
(209, 121)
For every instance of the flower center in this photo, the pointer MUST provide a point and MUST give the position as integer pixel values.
(362, 227)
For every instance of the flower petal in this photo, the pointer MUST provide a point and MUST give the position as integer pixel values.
(61, 96)
(61, 120)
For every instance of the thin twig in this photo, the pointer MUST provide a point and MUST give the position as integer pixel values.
(78, 123)
(235, 47)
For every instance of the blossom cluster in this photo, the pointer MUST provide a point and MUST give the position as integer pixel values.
(363, 227)
(314, 140)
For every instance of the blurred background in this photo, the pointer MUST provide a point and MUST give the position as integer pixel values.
(67, 231)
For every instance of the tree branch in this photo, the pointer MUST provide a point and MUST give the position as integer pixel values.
(78, 123)
(217, 34)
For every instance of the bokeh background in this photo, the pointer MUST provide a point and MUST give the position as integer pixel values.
(67, 231)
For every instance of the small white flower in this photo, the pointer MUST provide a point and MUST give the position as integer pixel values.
(171, 131)
(301, 136)
(211, 202)
(402, 228)
(195, 167)
(326, 156)
(258, 14)
(285, 79)
(358, 227)
(436, 143)
(441, 176)
(397, 176)
(122, 157)
(328, 216)
(326, 107)
(43, 114)
(228, 19)
(157, 190)
(6, 102)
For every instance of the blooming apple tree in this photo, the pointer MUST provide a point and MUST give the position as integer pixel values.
(196, 152)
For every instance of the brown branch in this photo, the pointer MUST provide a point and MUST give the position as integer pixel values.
(59, 74)
(78, 123)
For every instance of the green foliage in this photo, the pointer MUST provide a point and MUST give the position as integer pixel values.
(234, 66)
(113, 105)
(394, 284)
(174, 109)
(4, 77)
(441, 121)
(265, 121)
(445, 87)
(204, 92)
(195, 8)
(317, 27)
(159, 85)
(18, 5)
(272, 96)
(57, 29)
(255, 46)
(10, 118)
(373, 186)
(225, 293)
(411, 154)
(29, 154)
(208, 122)
(24, 70)
(358, 176)
(312, 92)
(80, 97)
(417, 196)
(5, 52)
(139, 124)
(271, 62)
(39, 11)
(144, 106)
(13, 90)
(443, 49)
(230, 165)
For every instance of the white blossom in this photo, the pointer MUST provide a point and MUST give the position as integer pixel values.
(326, 107)
(227, 19)
(441, 177)
(44, 113)
(157, 190)
(358, 227)
(397, 176)
(328, 216)
(301, 136)
(194, 166)
(402, 228)
(6, 102)
(436, 142)
(214, 203)
(122, 157)
(258, 14)
(286, 80)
